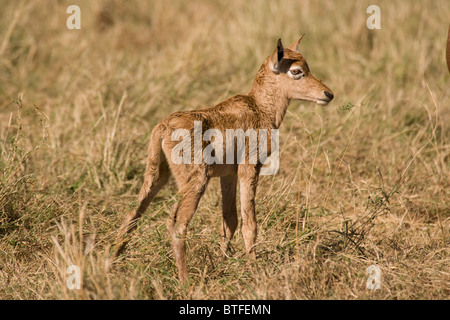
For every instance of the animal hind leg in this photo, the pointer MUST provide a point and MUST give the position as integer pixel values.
(152, 185)
(229, 212)
(177, 224)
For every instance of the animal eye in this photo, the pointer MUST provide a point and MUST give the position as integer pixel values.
(296, 72)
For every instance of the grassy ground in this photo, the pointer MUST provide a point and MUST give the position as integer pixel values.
(363, 181)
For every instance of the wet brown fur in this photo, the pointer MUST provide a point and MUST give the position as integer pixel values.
(262, 108)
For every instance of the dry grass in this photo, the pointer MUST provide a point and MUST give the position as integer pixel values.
(363, 181)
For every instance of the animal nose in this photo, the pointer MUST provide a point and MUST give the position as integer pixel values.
(329, 94)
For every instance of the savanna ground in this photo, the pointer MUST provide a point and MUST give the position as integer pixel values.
(363, 181)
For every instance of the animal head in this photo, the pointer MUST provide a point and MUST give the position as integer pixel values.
(295, 78)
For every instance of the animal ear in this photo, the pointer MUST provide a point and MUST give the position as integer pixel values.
(277, 56)
(296, 44)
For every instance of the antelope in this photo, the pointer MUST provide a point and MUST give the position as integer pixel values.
(283, 76)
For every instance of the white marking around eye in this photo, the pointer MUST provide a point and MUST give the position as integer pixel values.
(297, 76)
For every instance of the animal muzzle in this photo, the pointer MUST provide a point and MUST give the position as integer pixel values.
(327, 97)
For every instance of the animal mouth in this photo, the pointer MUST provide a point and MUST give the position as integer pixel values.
(322, 102)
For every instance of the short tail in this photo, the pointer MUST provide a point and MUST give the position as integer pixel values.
(155, 158)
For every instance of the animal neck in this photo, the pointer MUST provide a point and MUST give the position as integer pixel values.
(269, 95)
